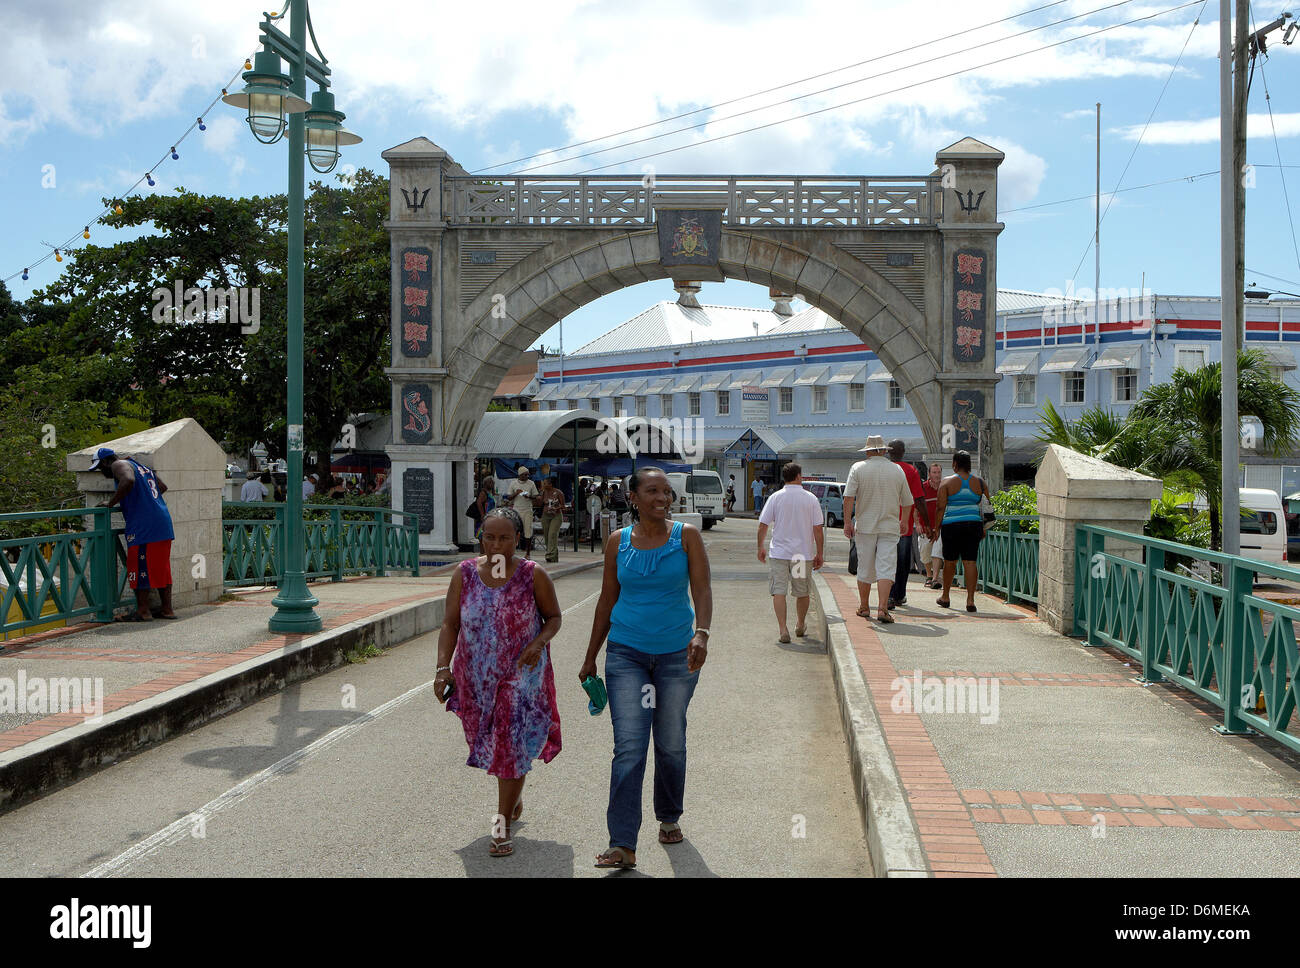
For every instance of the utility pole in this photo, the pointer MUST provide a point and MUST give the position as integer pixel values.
(1096, 240)
(1239, 92)
(1230, 424)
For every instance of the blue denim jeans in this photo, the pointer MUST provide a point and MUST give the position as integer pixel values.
(636, 712)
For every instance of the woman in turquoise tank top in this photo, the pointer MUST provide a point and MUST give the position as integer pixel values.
(962, 526)
(657, 645)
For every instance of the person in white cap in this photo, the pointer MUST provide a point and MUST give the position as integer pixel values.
(875, 494)
(523, 493)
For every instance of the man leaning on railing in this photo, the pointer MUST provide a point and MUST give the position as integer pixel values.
(149, 531)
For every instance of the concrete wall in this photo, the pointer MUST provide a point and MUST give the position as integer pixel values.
(193, 467)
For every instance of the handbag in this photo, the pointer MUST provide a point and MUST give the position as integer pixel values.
(472, 511)
(853, 557)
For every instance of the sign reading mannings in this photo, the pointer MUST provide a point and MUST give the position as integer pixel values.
(754, 407)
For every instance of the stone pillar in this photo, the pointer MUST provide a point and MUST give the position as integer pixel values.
(968, 173)
(1075, 489)
(992, 438)
(193, 466)
(417, 224)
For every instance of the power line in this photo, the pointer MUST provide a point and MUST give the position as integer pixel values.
(1286, 195)
(1256, 272)
(1137, 144)
(1118, 191)
(905, 87)
(825, 90)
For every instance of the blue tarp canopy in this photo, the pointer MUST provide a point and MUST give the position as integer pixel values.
(622, 466)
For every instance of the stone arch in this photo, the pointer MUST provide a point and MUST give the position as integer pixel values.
(527, 300)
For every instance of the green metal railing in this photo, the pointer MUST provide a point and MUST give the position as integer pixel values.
(80, 569)
(1008, 561)
(1212, 636)
(347, 541)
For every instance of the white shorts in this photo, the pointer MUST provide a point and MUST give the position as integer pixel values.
(926, 546)
(877, 556)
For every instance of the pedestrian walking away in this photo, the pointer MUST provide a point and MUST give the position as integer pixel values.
(962, 526)
(795, 516)
(494, 653)
(931, 543)
(898, 595)
(657, 646)
(522, 494)
(874, 496)
(149, 532)
(552, 517)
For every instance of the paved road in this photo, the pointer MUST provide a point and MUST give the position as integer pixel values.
(298, 784)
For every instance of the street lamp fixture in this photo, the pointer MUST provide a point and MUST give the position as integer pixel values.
(325, 132)
(267, 98)
(315, 132)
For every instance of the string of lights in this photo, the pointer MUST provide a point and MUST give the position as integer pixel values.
(172, 154)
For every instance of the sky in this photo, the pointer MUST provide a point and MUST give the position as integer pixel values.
(93, 94)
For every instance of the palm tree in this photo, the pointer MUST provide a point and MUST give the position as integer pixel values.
(1100, 433)
(1185, 411)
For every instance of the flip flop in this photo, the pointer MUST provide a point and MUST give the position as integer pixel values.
(886, 619)
(667, 831)
(503, 849)
(942, 604)
(970, 608)
(603, 860)
(864, 613)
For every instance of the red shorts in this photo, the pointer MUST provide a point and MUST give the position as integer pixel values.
(149, 565)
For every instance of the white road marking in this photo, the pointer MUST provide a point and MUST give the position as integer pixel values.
(178, 830)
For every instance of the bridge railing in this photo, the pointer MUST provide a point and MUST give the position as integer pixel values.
(1008, 559)
(600, 201)
(77, 569)
(1205, 629)
(342, 541)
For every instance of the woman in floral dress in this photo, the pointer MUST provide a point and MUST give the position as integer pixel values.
(494, 649)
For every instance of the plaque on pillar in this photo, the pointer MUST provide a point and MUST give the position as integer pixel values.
(417, 302)
(967, 411)
(417, 408)
(970, 304)
(417, 496)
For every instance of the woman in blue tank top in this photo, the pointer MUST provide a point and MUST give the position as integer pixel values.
(962, 526)
(656, 648)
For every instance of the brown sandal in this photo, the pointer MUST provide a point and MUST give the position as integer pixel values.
(886, 619)
(621, 862)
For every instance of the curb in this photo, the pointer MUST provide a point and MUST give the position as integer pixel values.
(893, 839)
(42, 766)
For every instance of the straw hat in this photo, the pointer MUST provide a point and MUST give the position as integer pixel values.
(874, 443)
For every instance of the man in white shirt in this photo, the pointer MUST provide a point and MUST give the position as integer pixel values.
(522, 493)
(875, 494)
(308, 486)
(795, 516)
(252, 490)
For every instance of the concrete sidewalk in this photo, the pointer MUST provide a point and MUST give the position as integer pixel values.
(1081, 770)
(163, 677)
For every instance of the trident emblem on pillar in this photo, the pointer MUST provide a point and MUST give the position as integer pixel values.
(415, 201)
(971, 203)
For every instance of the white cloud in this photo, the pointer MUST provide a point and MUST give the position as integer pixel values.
(1206, 130)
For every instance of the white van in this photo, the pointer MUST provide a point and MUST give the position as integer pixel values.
(1263, 528)
(699, 492)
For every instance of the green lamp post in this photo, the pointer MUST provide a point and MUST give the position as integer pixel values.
(315, 132)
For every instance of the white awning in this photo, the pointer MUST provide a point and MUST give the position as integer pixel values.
(610, 388)
(879, 375)
(686, 384)
(716, 381)
(1119, 358)
(850, 373)
(817, 376)
(659, 384)
(632, 387)
(547, 392)
(1277, 355)
(1021, 364)
(782, 377)
(1067, 359)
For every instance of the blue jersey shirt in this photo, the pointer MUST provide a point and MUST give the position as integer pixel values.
(147, 517)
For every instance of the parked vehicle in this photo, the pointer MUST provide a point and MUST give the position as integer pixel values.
(831, 496)
(1263, 532)
(699, 492)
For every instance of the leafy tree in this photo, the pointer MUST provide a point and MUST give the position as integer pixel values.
(1018, 501)
(1186, 408)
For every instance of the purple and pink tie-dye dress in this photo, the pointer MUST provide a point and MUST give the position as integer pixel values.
(510, 714)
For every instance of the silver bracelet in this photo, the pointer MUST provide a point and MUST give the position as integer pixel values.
(442, 669)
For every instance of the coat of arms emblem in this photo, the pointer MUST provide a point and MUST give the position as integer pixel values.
(688, 239)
